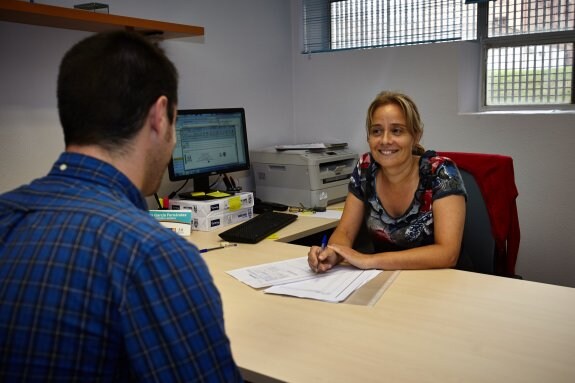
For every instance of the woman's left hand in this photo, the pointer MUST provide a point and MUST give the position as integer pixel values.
(355, 258)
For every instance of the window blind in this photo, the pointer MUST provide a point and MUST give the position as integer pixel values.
(351, 24)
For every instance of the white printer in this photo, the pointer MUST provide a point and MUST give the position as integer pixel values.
(312, 178)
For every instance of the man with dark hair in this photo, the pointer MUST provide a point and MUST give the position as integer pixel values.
(92, 288)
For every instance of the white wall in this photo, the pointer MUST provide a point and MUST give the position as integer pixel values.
(333, 90)
(243, 61)
(249, 57)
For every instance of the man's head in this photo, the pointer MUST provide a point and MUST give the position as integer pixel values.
(106, 86)
(117, 97)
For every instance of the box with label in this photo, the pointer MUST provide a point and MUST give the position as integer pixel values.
(207, 208)
(179, 221)
(215, 221)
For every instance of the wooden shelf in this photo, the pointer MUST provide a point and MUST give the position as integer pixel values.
(76, 19)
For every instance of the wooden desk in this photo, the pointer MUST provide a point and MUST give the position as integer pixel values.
(304, 226)
(429, 326)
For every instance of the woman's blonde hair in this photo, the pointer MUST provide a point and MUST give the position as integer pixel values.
(412, 118)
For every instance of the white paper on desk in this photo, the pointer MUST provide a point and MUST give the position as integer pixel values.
(332, 214)
(275, 273)
(294, 277)
(335, 286)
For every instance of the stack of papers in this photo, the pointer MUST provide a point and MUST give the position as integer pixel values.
(313, 146)
(294, 277)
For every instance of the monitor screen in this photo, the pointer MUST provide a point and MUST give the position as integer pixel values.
(209, 142)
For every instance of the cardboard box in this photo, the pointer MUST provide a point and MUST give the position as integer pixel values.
(212, 207)
(179, 221)
(214, 221)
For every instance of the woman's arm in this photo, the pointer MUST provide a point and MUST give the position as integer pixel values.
(344, 235)
(448, 218)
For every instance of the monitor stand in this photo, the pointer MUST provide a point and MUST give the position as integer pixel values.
(201, 190)
(202, 185)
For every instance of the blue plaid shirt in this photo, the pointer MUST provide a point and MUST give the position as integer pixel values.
(93, 289)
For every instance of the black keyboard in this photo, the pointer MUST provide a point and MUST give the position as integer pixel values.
(258, 228)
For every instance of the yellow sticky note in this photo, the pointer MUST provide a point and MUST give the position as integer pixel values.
(218, 194)
(235, 203)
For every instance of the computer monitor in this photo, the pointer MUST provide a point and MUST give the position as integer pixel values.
(209, 142)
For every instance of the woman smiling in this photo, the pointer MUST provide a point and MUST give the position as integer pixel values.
(411, 200)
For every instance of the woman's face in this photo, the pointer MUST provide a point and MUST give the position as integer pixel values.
(390, 141)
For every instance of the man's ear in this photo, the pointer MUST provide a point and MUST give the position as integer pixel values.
(158, 116)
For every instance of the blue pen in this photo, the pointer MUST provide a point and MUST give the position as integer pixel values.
(324, 242)
(323, 245)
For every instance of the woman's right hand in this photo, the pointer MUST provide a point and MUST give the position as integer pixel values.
(320, 260)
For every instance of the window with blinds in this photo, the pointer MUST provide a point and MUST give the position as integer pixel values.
(348, 24)
(527, 44)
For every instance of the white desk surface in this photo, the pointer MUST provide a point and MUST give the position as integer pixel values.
(429, 326)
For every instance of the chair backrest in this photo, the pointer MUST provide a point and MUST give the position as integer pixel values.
(478, 243)
(495, 178)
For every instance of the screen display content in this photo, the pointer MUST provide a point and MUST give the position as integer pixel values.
(209, 142)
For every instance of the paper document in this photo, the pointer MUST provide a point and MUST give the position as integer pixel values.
(275, 273)
(294, 277)
(332, 287)
(318, 145)
(313, 146)
(332, 214)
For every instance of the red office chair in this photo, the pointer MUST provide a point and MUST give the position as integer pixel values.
(491, 235)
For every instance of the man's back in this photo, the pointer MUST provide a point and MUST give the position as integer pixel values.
(93, 289)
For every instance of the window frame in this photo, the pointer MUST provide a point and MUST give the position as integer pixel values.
(532, 39)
